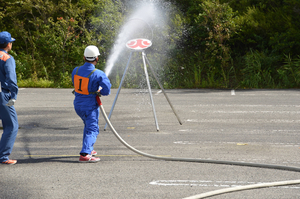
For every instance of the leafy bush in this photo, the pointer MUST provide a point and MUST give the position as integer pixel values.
(289, 73)
(258, 71)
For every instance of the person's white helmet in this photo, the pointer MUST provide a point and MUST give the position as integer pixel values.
(91, 53)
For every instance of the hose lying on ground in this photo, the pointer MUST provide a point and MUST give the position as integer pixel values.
(193, 159)
(241, 188)
(217, 192)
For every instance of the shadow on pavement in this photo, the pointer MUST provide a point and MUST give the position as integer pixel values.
(49, 159)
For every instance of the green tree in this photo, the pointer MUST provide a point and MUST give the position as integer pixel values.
(218, 20)
(51, 36)
(205, 54)
(268, 29)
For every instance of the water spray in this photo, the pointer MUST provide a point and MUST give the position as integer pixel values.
(132, 28)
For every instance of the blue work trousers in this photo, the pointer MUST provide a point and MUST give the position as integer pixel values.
(90, 118)
(10, 125)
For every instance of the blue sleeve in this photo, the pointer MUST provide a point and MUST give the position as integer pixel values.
(104, 83)
(73, 73)
(11, 77)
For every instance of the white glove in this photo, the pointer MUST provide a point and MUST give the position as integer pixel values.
(11, 102)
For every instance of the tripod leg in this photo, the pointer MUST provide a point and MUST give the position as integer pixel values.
(149, 88)
(114, 103)
(161, 87)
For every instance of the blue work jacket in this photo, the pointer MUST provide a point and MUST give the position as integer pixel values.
(8, 77)
(96, 80)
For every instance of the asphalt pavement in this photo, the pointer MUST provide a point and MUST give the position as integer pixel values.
(256, 126)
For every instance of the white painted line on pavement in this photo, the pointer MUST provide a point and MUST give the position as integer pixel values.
(235, 143)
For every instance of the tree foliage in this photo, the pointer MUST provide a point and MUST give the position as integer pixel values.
(51, 35)
(267, 31)
(206, 43)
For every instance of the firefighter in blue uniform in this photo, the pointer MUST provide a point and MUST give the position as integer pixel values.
(8, 96)
(89, 83)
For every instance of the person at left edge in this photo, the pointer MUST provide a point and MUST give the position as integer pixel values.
(8, 96)
(87, 81)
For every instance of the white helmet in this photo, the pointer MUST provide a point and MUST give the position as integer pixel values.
(91, 53)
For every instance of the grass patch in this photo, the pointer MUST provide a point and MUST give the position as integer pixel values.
(35, 83)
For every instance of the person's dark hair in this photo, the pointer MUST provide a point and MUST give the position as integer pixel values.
(89, 61)
(3, 45)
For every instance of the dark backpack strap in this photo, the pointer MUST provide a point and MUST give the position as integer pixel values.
(77, 70)
(92, 72)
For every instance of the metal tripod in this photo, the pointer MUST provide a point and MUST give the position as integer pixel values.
(145, 59)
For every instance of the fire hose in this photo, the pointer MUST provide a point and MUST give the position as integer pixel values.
(239, 188)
